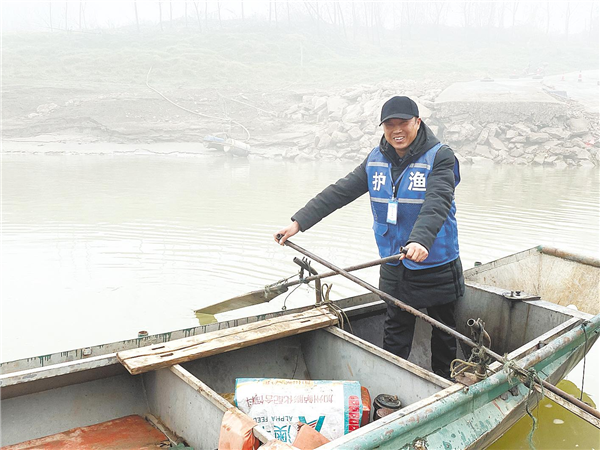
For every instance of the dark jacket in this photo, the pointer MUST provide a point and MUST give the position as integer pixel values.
(438, 198)
(418, 288)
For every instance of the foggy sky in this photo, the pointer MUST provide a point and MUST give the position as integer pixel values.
(555, 17)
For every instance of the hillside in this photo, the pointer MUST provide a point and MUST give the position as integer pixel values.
(92, 86)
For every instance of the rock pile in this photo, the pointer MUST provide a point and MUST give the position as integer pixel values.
(346, 127)
(346, 124)
(568, 139)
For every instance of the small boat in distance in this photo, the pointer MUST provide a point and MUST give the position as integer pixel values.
(182, 379)
(228, 145)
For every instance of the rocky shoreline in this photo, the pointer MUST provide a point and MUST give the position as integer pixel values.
(564, 135)
(541, 127)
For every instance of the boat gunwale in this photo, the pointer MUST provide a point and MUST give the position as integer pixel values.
(400, 422)
(569, 256)
(108, 360)
(529, 253)
(161, 338)
(503, 261)
(358, 308)
(57, 370)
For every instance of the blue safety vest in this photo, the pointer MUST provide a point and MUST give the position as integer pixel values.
(409, 190)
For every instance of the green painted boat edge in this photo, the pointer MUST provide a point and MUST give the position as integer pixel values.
(454, 421)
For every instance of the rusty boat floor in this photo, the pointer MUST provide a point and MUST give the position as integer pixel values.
(130, 432)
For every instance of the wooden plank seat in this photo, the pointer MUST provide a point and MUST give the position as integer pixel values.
(159, 356)
(130, 432)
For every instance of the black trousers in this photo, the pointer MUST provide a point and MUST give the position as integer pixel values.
(399, 330)
(437, 290)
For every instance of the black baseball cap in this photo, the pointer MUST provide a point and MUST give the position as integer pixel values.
(399, 107)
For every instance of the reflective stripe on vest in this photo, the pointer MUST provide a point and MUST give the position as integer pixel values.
(411, 188)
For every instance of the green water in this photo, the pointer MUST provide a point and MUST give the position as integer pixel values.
(557, 428)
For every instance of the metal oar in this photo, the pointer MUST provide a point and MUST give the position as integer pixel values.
(271, 291)
(389, 299)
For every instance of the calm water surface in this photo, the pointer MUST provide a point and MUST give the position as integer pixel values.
(96, 248)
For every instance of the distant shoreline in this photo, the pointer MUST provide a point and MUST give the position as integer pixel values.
(63, 146)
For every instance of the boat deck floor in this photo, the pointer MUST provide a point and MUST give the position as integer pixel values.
(130, 432)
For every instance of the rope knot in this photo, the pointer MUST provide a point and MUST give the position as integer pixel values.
(511, 369)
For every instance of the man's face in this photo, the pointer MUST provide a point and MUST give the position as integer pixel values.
(400, 133)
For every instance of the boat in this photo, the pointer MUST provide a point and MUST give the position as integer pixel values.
(214, 142)
(536, 306)
(236, 148)
(228, 145)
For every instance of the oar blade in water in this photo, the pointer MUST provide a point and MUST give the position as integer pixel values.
(249, 299)
(206, 319)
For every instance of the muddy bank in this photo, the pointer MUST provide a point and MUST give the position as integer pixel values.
(532, 126)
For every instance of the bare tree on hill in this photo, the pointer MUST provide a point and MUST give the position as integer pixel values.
(219, 14)
(137, 20)
(547, 18)
(514, 6)
(342, 21)
(593, 13)
(160, 15)
(198, 15)
(567, 20)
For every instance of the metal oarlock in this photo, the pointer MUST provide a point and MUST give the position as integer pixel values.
(305, 265)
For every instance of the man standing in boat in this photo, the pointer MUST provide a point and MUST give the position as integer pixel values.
(411, 179)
